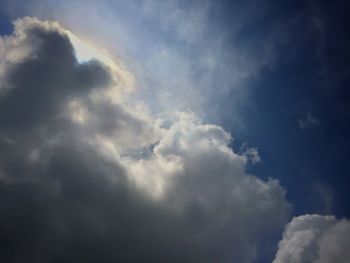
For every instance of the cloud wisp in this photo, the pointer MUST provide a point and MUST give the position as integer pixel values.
(308, 122)
(186, 54)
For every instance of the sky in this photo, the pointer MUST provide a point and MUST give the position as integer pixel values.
(174, 131)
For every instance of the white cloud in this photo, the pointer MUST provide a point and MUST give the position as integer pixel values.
(316, 239)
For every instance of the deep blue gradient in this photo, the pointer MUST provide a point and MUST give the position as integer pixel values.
(311, 76)
(6, 26)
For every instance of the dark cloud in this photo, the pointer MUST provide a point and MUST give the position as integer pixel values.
(69, 192)
(73, 211)
(40, 85)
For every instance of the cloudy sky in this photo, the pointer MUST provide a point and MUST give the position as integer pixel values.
(174, 131)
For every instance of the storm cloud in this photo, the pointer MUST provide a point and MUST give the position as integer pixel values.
(88, 176)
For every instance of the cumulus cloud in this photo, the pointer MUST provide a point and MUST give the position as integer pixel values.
(88, 176)
(315, 238)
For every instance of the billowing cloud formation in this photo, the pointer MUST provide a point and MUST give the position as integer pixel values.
(87, 176)
(315, 238)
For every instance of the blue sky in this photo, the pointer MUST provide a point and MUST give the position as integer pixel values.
(274, 74)
(309, 79)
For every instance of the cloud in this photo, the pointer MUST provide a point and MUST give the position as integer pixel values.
(315, 238)
(323, 197)
(308, 122)
(88, 176)
(187, 54)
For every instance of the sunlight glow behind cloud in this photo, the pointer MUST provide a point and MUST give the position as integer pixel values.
(85, 51)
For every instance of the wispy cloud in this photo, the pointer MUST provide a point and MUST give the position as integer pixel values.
(308, 122)
(183, 53)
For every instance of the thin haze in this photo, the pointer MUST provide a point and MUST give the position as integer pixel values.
(181, 54)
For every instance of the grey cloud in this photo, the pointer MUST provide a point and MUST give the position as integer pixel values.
(211, 189)
(69, 191)
(315, 238)
(38, 87)
(74, 212)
